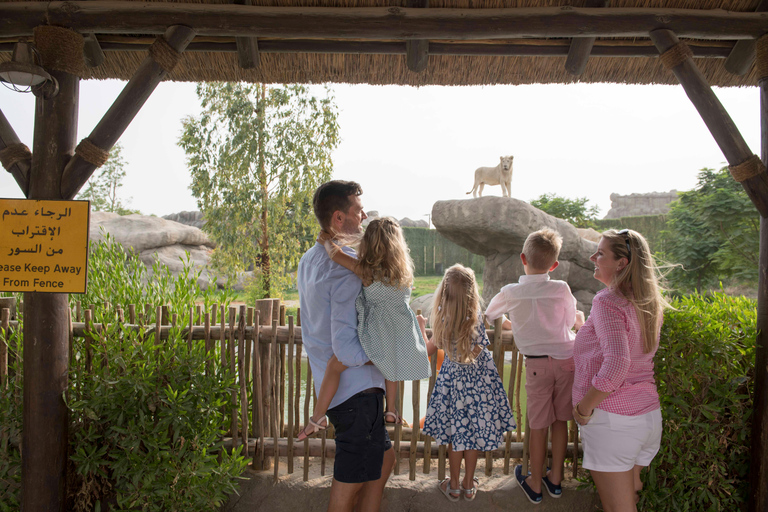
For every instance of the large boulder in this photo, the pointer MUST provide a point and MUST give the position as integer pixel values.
(157, 238)
(496, 227)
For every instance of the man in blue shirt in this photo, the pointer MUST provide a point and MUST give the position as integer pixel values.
(327, 293)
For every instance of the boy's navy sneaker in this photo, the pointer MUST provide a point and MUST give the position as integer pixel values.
(553, 490)
(533, 497)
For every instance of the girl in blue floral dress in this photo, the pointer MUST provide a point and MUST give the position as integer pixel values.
(468, 409)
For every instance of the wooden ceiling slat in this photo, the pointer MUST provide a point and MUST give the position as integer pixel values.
(122, 17)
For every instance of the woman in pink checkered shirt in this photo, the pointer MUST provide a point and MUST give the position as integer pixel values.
(614, 391)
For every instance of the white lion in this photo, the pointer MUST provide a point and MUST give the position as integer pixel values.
(499, 175)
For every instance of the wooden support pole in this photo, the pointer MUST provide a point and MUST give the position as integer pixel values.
(758, 499)
(743, 53)
(581, 47)
(94, 55)
(123, 110)
(264, 307)
(417, 50)
(247, 47)
(714, 115)
(19, 170)
(391, 22)
(46, 326)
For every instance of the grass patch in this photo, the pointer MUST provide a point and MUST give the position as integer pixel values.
(427, 284)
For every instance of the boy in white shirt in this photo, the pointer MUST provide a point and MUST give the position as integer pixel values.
(541, 314)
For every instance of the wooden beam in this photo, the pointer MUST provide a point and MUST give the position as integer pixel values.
(92, 51)
(758, 473)
(44, 438)
(123, 110)
(714, 115)
(20, 170)
(115, 17)
(541, 48)
(581, 47)
(247, 47)
(743, 54)
(417, 50)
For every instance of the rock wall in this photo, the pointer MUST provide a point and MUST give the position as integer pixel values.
(496, 227)
(155, 237)
(194, 219)
(653, 203)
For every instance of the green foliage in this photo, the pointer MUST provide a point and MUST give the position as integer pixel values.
(430, 251)
(145, 419)
(10, 426)
(256, 155)
(713, 233)
(650, 226)
(574, 211)
(102, 190)
(705, 370)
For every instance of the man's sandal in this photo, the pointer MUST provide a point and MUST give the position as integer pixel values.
(451, 494)
(313, 428)
(470, 494)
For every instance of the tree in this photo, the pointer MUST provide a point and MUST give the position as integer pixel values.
(713, 233)
(102, 190)
(256, 155)
(574, 211)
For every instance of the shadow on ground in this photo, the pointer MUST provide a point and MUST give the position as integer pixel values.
(498, 492)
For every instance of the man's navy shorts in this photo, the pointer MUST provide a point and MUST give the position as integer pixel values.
(361, 437)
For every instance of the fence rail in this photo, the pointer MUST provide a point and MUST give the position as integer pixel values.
(262, 348)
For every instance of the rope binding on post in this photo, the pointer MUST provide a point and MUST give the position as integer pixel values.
(13, 154)
(676, 55)
(164, 54)
(749, 168)
(91, 153)
(60, 49)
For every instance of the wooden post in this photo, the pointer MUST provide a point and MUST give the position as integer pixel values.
(46, 318)
(415, 398)
(264, 308)
(233, 373)
(398, 427)
(758, 499)
(5, 318)
(289, 434)
(714, 115)
(241, 366)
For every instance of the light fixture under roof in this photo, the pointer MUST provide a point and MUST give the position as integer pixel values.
(21, 73)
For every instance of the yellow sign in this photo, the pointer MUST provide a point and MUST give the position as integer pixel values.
(43, 245)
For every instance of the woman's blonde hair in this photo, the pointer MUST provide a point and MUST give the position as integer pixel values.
(455, 313)
(383, 255)
(638, 281)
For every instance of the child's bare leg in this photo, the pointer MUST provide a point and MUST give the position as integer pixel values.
(327, 390)
(559, 444)
(470, 463)
(391, 410)
(538, 448)
(454, 463)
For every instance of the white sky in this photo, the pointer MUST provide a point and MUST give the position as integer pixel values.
(410, 147)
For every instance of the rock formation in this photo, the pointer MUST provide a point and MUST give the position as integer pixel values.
(187, 218)
(654, 203)
(152, 237)
(496, 227)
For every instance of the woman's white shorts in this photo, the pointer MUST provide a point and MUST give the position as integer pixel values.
(614, 443)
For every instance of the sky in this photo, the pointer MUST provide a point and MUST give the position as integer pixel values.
(409, 147)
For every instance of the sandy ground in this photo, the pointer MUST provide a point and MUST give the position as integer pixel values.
(498, 492)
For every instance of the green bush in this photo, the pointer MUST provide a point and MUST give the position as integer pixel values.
(705, 369)
(146, 422)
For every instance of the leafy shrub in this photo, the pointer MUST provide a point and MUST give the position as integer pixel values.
(10, 428)
(705, 370)
(145, 420)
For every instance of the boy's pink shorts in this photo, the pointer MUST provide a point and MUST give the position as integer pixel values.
(548, 384)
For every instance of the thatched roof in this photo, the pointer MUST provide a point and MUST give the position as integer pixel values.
(520, 60)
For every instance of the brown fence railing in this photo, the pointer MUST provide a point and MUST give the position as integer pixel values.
(263, 349)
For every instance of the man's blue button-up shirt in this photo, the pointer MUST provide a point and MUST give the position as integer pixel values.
(327, 293)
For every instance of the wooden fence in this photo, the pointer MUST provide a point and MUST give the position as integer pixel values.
(263, 349)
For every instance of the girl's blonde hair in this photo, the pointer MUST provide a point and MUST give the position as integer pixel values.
(638, 282)
(455, 313)
(383, 254)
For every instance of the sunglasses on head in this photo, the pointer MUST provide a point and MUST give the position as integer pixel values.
(625, 233)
